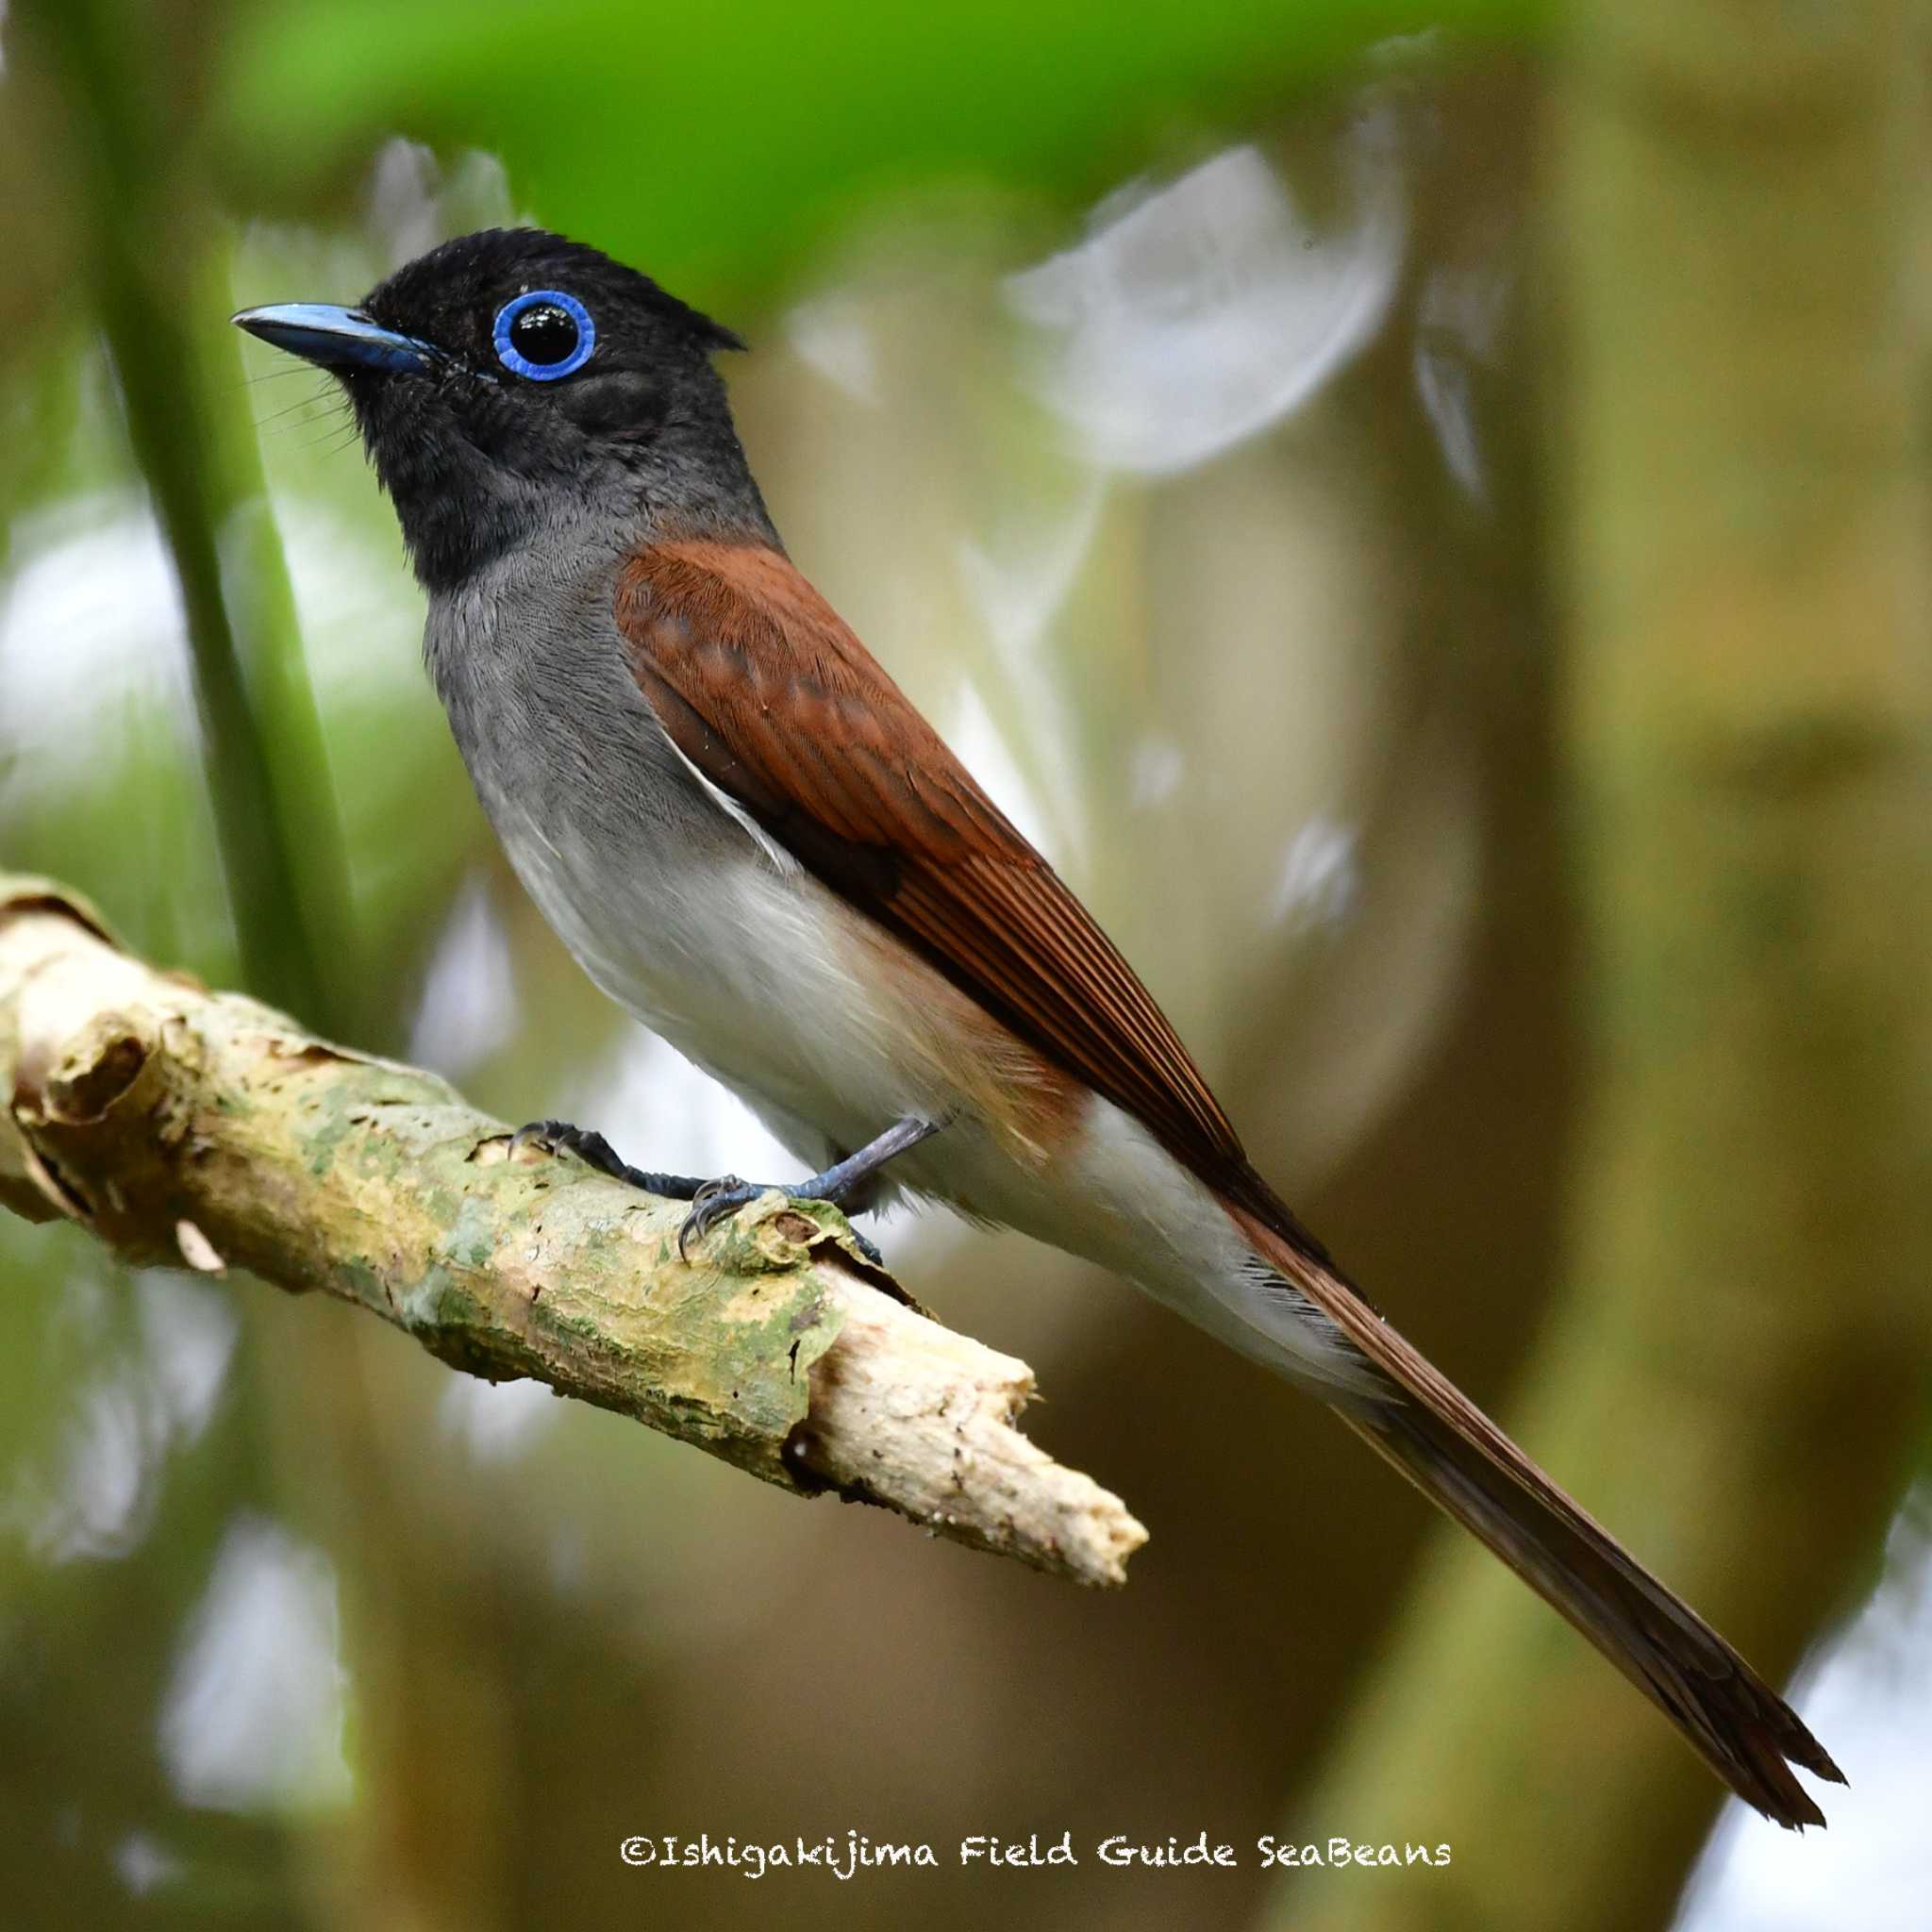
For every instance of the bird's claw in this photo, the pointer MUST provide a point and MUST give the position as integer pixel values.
(727, 1194)
(866, 1248)
(560, 1136)
(710, 1205)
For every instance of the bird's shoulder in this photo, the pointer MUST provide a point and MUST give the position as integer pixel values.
(769, 691)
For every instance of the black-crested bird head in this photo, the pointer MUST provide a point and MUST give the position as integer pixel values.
(511, 379)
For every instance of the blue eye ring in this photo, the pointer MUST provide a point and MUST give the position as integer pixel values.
(516, 361)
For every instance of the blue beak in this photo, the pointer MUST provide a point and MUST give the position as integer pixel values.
(336, 338)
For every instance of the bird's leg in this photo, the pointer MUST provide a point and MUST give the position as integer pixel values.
(844, 1184)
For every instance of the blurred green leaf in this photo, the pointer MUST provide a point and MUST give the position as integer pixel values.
(637, 126)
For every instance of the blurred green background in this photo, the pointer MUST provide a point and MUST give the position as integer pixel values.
(1186, 404)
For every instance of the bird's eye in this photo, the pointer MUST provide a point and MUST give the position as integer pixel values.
(543, 334)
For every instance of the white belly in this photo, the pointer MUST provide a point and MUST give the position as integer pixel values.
(740, 967)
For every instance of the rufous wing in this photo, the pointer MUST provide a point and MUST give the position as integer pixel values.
(770, 695)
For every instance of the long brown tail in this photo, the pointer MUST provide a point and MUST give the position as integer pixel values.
(1430, 1431)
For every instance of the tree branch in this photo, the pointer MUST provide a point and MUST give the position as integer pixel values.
(177, 1124)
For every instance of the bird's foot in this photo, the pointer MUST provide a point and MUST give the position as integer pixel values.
(560, 1136)
(723, 1196)
(712, 1204)
(713, 1200)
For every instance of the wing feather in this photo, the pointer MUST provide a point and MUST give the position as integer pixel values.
(770, 696)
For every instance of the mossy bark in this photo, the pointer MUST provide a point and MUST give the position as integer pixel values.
(181, 1126)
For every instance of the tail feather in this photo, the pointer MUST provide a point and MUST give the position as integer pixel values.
(1436, 1437)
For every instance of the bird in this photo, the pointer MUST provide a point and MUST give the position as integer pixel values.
(752, 841)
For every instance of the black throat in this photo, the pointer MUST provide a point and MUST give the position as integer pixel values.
(473, 477)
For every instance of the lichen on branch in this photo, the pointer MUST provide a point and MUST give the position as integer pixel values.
(198, 1128)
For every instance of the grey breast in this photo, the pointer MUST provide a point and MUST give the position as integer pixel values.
(594, 806)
